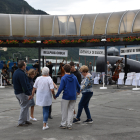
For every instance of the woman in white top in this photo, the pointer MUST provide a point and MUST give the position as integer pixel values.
(45, 89)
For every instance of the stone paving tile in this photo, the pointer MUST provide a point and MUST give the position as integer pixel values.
(115, 112)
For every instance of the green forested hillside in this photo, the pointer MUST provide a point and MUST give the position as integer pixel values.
(18, 7)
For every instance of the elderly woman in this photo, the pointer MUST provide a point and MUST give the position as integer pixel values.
(87, 92)
(45, 89)
(31, 74)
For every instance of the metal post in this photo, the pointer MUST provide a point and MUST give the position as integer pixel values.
(43, 59)
(126, 63)
(1, 82)
(39, 57)
(93, 63)
(136, 84)
(17, 59)
(105, 63)
(103, 84)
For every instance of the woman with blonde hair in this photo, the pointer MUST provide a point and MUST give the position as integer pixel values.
(31, 74)
(87, 93)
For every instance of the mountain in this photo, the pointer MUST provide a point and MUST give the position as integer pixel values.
(18, 7)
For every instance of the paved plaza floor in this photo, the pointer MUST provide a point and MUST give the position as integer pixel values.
(115, 113)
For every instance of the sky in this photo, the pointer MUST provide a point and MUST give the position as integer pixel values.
(71, 7)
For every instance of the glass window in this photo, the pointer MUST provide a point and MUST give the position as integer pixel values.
(71, 27)
(87, 24)
(113, 24)
(100, 24)
(136, 27)
(77, 19)
(32, 25)
(4, 25)
(46, 24)
(18, 28)
(56, 26)
(127, 21)
(62, 24)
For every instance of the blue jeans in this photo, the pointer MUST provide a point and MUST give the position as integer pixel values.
(45, 113)
(84, 102)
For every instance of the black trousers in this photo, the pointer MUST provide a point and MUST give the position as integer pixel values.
(50, 110)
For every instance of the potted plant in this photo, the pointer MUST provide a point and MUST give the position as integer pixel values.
(66, 41)
(1, 42)
(49, 42)
(138, 39)
(11, 42)
(93, 40)
(129, 39)
(81, 40)
(74, 41)
(113, 39)
(26, 41)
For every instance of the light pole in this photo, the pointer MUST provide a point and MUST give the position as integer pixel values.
(104, 40)
(39, 55)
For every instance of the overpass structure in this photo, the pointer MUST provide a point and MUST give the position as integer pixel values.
(57, 27)
(115, 24)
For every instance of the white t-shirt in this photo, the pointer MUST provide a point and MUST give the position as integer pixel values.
(43, 94)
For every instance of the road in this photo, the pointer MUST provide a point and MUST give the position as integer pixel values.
(115, 114)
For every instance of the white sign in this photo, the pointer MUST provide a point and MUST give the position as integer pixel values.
(129, 51)
(58, 53)
(91, 52)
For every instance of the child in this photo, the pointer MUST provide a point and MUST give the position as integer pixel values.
(70, 85)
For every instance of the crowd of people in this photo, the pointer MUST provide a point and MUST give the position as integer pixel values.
(5, 73)
(71, 84)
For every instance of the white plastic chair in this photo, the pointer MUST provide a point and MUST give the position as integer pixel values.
(129, 79)
(133, 75)
(58, 80)
(136, 80)
(121, 79)
(96, 79)
(93, 74)
(102, 76)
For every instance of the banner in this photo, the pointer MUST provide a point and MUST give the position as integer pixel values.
(129, 51)
(57, 53)
(91, 52)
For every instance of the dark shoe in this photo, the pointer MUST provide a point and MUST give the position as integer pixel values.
(50, 117)
(27, 122)
(62, 127)
(70, 128)
(76, 120)
(88, 121)
(22, 125)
